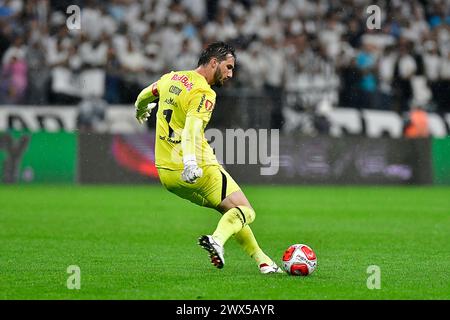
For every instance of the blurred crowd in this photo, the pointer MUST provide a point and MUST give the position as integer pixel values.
(299, 53)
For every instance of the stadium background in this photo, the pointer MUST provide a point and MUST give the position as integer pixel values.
(354, 106)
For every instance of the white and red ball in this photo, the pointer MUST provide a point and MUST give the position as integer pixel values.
(299, 260)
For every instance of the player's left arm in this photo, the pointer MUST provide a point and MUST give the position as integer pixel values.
(145, 102)
(189, 137)
(197, 114)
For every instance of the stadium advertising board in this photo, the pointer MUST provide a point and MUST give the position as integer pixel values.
(49, 119)
(38, 157)
(354, 160)
(116, 158)
(441, 161)
(129, 158)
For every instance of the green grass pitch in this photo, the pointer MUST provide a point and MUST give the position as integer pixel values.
(139, 242)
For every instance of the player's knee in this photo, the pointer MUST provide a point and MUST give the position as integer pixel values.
(248, 213)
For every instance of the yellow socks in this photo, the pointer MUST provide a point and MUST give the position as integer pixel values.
(248, 242)
(232, 222)
(235, 222)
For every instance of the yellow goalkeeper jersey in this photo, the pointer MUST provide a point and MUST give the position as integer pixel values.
(182, 94)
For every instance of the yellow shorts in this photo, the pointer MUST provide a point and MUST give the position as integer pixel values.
(208, 191)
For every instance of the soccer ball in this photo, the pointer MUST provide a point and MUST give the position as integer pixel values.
(299, 260)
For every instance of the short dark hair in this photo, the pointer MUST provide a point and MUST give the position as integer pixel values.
(218, 50)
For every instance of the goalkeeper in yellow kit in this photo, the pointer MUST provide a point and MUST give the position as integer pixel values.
(186, 163)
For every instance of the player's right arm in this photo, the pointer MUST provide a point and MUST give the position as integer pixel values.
(144, 102)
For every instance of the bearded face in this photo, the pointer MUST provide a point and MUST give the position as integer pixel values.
(223, 71)
(218, 78)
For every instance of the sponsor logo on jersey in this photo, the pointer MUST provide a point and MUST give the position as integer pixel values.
(201, 103)
(209, 105)
(184, 80)
(171, 101)
(175, 90)
(169, 139)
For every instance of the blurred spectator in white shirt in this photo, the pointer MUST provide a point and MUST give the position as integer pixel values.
(38, 74)
(196, 7)
(405, 68)
(386, 66)
(17, 50)
(253, 66)
(187, 58)
(132, 60)
(273, 79)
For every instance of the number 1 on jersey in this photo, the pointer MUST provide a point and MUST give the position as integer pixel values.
(168, 115)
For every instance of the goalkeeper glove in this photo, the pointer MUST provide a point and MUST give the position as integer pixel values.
(143, 113)
(191, 170)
